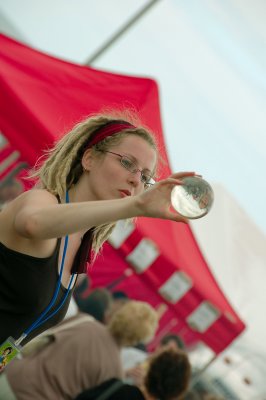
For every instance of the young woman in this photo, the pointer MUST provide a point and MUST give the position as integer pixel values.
(100, 172)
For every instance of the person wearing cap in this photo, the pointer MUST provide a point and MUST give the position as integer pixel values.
(100, 172)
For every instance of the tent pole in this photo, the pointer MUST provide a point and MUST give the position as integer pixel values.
(198, 374)
(126, 274)
(120, 32)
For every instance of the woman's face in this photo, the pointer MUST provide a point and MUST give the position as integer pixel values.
(107, 178)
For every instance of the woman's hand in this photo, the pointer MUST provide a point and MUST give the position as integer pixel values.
(156, 201)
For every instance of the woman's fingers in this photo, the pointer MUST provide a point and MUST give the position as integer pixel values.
(177, 178)
(172, 181)
(160, 197)
(175, 216)
(184, 174)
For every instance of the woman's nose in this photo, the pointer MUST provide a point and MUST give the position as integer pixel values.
(135, 178)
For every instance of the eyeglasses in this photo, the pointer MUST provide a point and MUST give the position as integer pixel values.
(132, 167)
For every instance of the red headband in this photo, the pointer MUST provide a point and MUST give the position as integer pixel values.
(108, 129)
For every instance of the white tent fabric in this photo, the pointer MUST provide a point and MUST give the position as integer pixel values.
(209, 60)
(235, 250)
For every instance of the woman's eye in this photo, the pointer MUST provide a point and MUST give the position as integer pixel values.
(145, 179)
(128, 163)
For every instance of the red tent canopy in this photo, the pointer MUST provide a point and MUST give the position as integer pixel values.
(158, 261)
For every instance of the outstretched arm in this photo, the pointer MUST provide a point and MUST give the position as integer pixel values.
(37, 215)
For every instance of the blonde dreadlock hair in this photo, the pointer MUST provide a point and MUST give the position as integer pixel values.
(62, 167)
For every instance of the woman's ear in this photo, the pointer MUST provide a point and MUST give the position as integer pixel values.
(86, 160)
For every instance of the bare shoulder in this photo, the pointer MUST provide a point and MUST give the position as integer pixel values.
(30, 200)
(37, 197)
(22, 207)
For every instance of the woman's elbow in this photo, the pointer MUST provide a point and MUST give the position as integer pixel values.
(28, 226)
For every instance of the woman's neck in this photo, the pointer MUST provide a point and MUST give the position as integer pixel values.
(78, 194)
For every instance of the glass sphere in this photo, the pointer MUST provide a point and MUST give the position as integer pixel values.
(194, 198)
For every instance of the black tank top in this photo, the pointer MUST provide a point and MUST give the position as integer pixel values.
(32, 280)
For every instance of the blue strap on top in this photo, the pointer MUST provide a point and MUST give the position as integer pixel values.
(41, 319)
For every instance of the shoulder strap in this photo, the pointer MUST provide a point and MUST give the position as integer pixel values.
(112, 389)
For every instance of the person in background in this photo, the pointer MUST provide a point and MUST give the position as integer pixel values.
(78, 354)
(167, 378)
(119, 299)
(135, 360)
(171, 341)
(211, 396)
(192, 395)
(101, 172)
(97, 303)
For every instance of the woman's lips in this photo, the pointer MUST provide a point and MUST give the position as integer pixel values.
(125, 193)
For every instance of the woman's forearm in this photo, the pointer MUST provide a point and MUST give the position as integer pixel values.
(59, 220)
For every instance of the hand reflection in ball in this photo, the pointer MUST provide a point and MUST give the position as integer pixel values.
(194, 198)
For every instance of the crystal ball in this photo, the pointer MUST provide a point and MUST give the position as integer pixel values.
(194, 198)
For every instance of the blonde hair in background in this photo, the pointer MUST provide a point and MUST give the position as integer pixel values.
(134, 322)
(62, 165)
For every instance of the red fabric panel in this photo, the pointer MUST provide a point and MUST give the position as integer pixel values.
(46, 96)
(41, 97)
